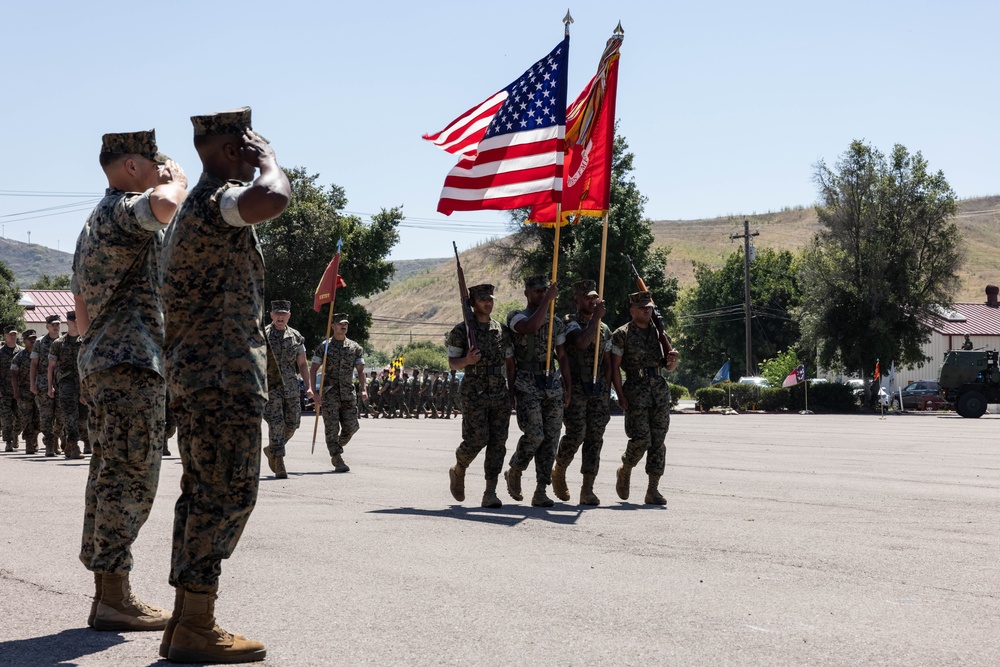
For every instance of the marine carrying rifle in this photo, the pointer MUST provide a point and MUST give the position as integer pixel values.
(467, 314)
(665, 346)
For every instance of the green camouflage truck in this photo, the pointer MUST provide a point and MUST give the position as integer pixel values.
(970, 379)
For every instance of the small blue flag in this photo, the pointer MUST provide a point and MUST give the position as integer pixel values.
(723, 374)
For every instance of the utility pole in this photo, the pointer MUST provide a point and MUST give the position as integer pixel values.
(746, 235)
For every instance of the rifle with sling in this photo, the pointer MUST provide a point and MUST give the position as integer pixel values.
(661, 335)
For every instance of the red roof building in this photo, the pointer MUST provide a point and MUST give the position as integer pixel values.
(40, 303)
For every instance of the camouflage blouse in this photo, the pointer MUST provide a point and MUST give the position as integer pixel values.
(583, 360)
(116, 271)
(64, 351)
(213, 298)
(41, 353)
(342, 359)
(287, 345)
(638, 348)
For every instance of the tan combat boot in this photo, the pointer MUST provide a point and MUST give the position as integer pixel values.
(490, 499)
(540, 499)
(624, 478)
(270, 459)
(338, 464)
(279, 465)
(168, 632)
(97, 598)
(196, 637)
(653, 496)
(31, 447)
(587, 496)
(559, 481)
(120, 610)
(513, 478)
(50, 450)
(456, 475)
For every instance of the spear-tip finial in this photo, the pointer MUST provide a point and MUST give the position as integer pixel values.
(619, 30)
(567, 20)
(340, 242)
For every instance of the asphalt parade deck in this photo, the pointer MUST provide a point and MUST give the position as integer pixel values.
(788, 540)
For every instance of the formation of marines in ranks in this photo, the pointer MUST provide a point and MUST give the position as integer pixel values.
(167, 335)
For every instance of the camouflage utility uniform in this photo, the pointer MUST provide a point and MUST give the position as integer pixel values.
(648, 416)
(49, 415)
(340, 407)
(64, 352)
(588, 413)
(283, 412)
(485, 395)
(8, 406)
(539, 408)
(26, 409)
(216, 369)
(120, 365)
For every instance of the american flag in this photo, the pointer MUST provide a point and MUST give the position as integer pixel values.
(511, 145)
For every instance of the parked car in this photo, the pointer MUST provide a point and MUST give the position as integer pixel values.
(755, 379)
(921, 395)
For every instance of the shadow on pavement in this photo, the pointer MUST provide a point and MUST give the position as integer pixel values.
(508, 515)
(59, 649)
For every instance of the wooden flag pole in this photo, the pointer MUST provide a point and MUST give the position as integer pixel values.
(318, 403)
(552, 304)
(600, 295)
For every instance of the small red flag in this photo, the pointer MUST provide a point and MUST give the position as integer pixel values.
(326, 291)
(877, 374)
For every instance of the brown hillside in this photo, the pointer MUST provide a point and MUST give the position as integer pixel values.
(424, 304)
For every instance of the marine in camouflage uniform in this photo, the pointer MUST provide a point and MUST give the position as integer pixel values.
(8, 406)
(455, 393)
(427, 389)
(344, 357)
(217, 370)
(645, 396)
(539, 399)
(49, 416)
(20, 367)
(64, 381)
(283, 412)
(120, 365)
(374, 399)
(589, 410)
(488, 390)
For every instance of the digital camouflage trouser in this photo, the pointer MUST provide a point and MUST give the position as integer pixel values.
(218, 436)
(8, 409)
(283, 414)
(585, 419)
(540, 420)
(49, 418)
(127, 405)
(485, 425)
(28, 413)
(340, 420)
(73, 413)
(646, 423)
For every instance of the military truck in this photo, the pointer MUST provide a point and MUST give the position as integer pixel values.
(971, 380)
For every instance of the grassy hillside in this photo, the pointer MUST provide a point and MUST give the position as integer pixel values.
(424, 304)
(30, 261)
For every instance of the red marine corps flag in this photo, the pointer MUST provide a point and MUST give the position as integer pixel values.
(590, 137)
(328, 284)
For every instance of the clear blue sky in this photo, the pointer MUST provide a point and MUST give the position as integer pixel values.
(727, 105)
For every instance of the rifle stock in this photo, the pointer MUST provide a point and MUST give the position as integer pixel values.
(463, 292)
(661, 334)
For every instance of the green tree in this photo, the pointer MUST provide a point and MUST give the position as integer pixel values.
(528, 250)
(46, 281)
(777, 369)
(888, 253)
(712, 316)
(11, 310)
(423, 354)
(300, 243)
